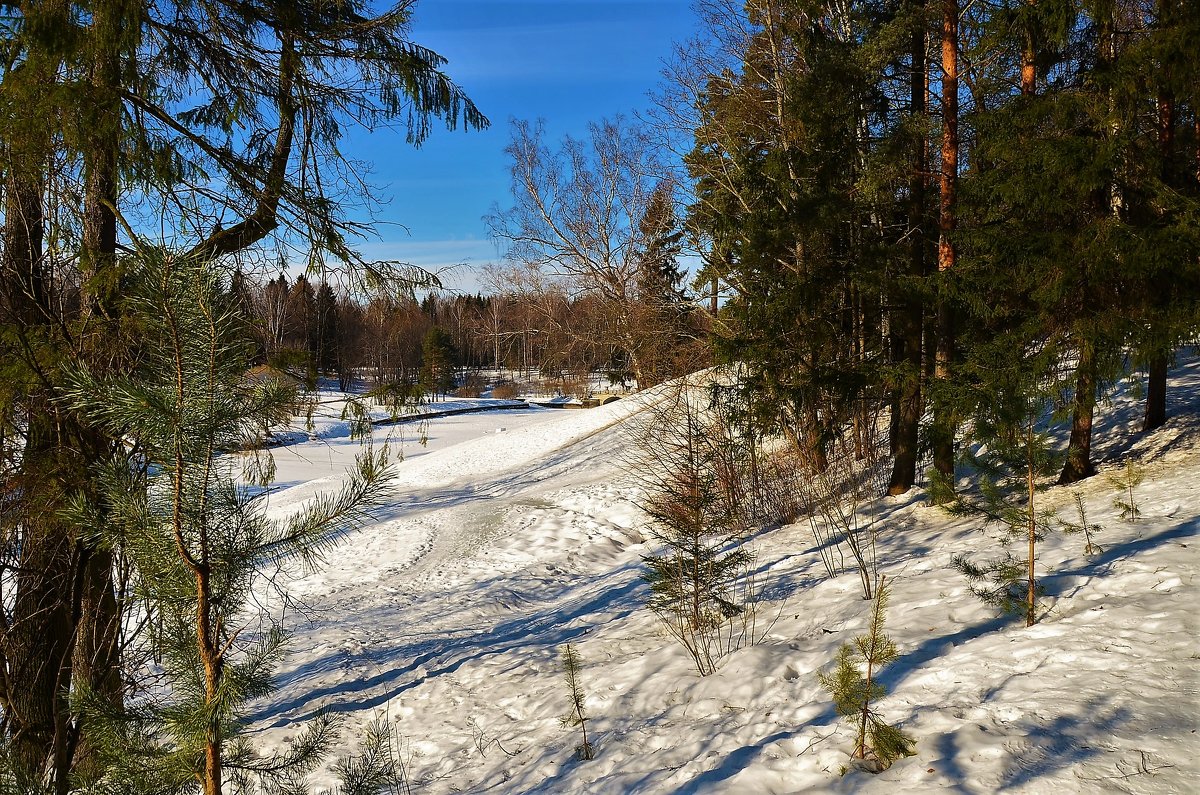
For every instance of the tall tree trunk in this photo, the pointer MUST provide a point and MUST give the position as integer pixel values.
(1156, 391)
(35, 641)
(1078, 464)
(944, 424)
(906, 319)
(1031, 525)
(38, 640)
(95, 657)
(1079, 450)
(1156, 371)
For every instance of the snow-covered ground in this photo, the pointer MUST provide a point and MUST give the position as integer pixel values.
(512, 533)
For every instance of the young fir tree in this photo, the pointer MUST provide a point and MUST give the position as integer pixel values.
(1126, 480)
(692, 578)
(198, 544)
(577, 715)
(855, 689)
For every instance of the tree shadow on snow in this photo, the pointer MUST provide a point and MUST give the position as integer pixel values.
(1062, 743)
(732, 763)
(547, 628)
(1056, 582)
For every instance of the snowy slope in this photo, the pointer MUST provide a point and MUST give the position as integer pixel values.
(446, 619)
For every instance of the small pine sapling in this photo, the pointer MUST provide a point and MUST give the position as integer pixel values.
(855, 690)
(577, 716)
(1128, 479)
(1019, 456)
(1001, 582)
(1090, 547)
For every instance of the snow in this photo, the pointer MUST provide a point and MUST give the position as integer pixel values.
(446, 617)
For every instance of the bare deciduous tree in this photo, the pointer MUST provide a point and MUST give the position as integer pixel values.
(576, 219)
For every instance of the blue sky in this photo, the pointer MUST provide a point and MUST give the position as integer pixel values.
(566, 61)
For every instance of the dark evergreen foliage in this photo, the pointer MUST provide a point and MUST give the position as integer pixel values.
(438, 362)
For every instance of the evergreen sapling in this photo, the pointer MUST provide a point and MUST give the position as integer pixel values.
(1017, 458)
(1090, 547)
(200, 546)
(855, 689)
(577, 715)
(1128, 479)
(701, 488)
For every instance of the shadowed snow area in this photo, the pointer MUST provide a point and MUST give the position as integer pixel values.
(512, 533)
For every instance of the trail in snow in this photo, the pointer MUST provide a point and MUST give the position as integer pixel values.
(445, 618)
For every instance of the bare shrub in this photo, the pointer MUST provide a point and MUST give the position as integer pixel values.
(832, 499)
(575, 387)
(472, 386)
(505, 390)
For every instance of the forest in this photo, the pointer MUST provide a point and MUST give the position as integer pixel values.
(876, 248)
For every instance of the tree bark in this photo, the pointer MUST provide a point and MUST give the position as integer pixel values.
(264, 218)
(1079, 450)
(1156, 392)
(906, 320)
(1156, 371)
(1031, 519)
(943, 431)
(95, 659)
(38, 640)
(35, 638)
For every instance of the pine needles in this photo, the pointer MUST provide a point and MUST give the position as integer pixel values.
(577, 715)
(200, 545)
(855, 689)
(1126, 480)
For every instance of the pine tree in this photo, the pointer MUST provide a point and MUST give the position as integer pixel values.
(906, 321)
(198, 544)
(855, 688)
(943, 429)
(1013, 416)
(107, 105)
(577, 715)
(1128, 479)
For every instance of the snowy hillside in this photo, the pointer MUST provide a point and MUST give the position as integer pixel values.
(513, 533)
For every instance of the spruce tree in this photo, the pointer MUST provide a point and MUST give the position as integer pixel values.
(438, 362)
(693, 576)
(328, 330)
(786, 193)
(664, 319)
